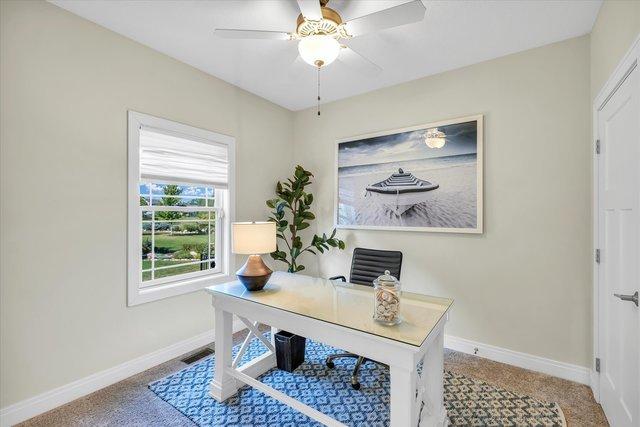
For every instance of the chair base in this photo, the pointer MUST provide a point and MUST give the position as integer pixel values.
(354, 375)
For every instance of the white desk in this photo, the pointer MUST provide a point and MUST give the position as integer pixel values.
(340, 315)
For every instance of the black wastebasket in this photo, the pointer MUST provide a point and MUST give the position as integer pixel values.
(289, 350)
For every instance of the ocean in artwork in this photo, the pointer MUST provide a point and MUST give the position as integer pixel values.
(380, 184)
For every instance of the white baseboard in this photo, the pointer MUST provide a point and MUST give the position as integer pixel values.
(51, 399)
(567, 371)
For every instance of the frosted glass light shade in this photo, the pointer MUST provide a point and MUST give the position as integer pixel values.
(252, 238)
(319, 50)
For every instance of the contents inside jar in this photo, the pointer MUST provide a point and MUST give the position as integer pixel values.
(387, 305)
(386, 301)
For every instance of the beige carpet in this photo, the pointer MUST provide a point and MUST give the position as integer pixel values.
(131, 403)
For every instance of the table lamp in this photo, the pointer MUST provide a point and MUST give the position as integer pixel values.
(253, 239)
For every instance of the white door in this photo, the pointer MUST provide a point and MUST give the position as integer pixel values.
(619, 242)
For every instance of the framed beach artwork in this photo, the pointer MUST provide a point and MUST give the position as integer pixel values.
(421, 178)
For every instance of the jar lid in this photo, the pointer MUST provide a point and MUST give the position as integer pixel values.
(386, 279)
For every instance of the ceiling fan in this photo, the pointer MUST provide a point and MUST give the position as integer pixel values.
(320, 31)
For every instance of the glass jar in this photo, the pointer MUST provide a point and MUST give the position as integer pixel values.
(386, 301)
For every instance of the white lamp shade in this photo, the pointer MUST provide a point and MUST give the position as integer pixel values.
(319, 50)
(252, 238)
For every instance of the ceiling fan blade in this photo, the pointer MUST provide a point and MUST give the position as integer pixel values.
(251, 34)
(310, 9)
(406, 13)
(353, 59)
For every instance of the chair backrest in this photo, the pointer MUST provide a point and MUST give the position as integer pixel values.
(368, 264)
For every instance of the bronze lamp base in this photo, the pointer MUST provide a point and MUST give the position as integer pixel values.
(254, 274)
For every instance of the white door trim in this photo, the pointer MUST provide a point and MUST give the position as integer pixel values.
(629, 62)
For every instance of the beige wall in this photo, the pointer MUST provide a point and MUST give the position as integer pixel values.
(66, 86)
(525, 283)
(617, 26)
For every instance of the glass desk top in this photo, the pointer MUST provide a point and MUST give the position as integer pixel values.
(343, 304)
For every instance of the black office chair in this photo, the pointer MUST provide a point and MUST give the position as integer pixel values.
(366, 266)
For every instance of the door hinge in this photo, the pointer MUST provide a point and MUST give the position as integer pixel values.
(597, 364)
(597, 256)
(597, 146)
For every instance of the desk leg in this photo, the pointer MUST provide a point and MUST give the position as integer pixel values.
(419, 399)
(431, 386)
(403, 397)
(223, 385)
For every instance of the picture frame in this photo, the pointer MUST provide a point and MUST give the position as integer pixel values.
(445, 195)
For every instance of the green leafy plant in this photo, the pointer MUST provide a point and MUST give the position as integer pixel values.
(167, 200)
(291, 213)
(146, 246)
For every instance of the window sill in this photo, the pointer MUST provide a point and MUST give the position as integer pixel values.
(143, 295)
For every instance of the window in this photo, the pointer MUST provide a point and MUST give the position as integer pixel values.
(179, 230)
(180, 200)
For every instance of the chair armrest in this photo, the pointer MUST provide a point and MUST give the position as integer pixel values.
(344, 279)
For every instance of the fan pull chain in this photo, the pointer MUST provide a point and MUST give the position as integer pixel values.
(318, 90)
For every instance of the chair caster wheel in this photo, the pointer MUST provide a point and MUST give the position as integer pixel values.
(330, 365)
(356, 386)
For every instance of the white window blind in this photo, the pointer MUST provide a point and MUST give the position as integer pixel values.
(175, 158)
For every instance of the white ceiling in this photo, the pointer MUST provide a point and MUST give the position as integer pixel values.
(453, 34)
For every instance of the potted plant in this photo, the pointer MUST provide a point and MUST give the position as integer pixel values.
(292, 213)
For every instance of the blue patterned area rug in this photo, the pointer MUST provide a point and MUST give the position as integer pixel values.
(469, 402)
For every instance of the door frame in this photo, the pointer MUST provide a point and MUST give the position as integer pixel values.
(629, 62)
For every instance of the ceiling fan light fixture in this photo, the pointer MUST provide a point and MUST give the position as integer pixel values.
(319, 50)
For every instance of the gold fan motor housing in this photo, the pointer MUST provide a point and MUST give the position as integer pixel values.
(329, 24)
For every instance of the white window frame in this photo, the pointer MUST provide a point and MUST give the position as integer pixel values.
(139, 292)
